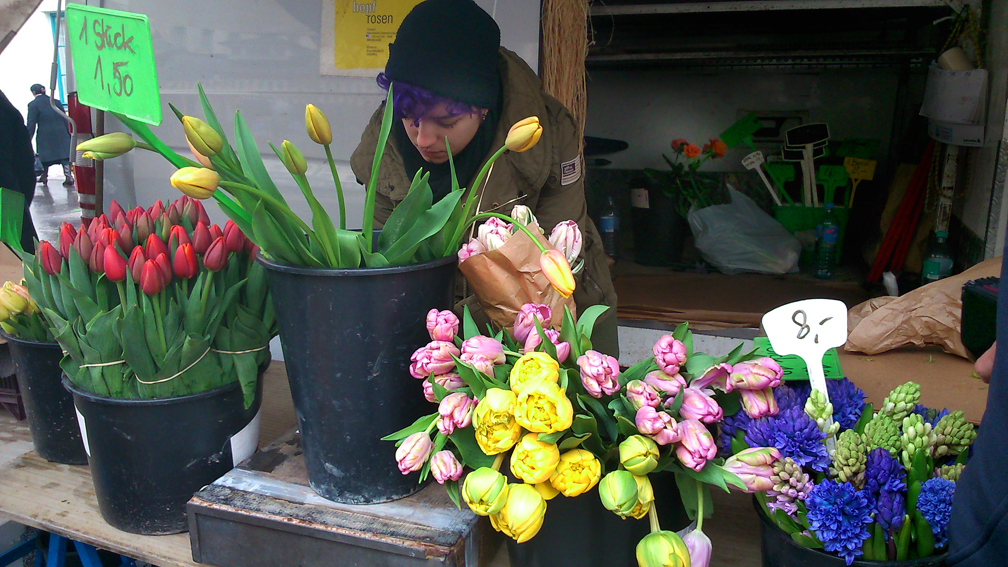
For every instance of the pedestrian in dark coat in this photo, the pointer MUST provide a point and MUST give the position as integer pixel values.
(53, 141)
(17, 170)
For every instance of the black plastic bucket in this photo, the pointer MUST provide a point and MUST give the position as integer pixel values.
(347, 338)
(48, 406)
(659, 231)
(779, 550)
(580, 531)
(148, 457)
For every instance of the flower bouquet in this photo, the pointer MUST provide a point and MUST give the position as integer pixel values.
(684, 183)
(572, 421)
(884, 493)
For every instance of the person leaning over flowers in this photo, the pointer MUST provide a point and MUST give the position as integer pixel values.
(453, 80)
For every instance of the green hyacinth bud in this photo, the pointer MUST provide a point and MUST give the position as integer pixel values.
(901, 401)
(818, 407)
(883, 432)
(849, 458)
(950, 472)
(791, 485)
(953, 434)
(917, 437)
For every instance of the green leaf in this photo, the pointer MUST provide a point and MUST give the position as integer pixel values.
(421, 424)
(587, 426)
(573, 442)
(637, 371)
(866, 416)
(569, 335)
(711, 474)
(469, 329)
(439, 391)
(271, 237)
(732, 479)
(211, 118)
(626, 426)
(545, 344)
(698, 363)
(676, 403)
(472, 378)
(806, 540)
(586, 322)
(452, 488)
(600, 413)
(465, 441)
(730, 403)
(550, 437)
(430, 222)
(372, 186)
(405, 214)
(738, 443)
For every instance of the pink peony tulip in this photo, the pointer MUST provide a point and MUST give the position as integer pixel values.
(487, 346)
(756, 375)
(562, 347)
(493, 233)
(759, 403)
(657, 425)
(450, 381)
(700, 405)
(435, 358)
(442, 325)
(696, 445)
(444, 466)
(599, 373)
(525, 320)
(455, 412)
(700, 548)
(641, 394)
(470, 249)
(479, 362)
(670, 354)
(566, 237)
(715, 377)
(754, 467)
(413, 452)
(662, 382)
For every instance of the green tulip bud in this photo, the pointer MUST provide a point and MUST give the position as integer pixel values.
(293, 159)
(618, 491)
(204, 139)
(662, 549)
(107, 146)
(485, 491)
(638, 454)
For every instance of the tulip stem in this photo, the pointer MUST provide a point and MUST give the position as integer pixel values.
(339, 188)
(468, 201)
(146, 146)
(512, 353)
(498, 461)
(513, 222)
(158, 317)
(269, 200)
(700, 503)
(653, 519)
(122, 293)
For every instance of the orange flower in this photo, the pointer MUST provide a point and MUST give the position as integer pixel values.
(678, 144)
(718, 147)
(556, 269)
(691, 151)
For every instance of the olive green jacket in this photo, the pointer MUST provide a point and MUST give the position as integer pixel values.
(549, 178)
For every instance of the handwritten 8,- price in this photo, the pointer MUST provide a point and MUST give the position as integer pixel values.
(111, 41)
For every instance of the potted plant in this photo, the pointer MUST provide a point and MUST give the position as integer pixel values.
(345, 357)
(36, 356)
(165, 321)
(882, 496)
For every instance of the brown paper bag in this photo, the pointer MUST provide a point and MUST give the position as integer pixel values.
(508, 277)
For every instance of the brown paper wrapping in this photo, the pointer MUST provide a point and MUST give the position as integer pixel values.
(928, 315)
(508, 277)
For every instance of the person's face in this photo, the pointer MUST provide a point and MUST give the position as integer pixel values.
(428, 134)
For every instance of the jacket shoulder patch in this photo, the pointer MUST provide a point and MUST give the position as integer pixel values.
(570, 171)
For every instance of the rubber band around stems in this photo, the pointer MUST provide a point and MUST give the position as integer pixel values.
(181, 372)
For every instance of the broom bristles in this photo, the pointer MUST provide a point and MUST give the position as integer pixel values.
(565, 46)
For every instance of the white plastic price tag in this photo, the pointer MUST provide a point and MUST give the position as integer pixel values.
(755, 161)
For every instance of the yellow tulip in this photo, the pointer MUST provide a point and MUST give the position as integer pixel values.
(577, 472)
(524, 134)
(196, 182)
(293, 159)
(638, 454)
(4, 313)
(485, 491)
(618, 492)
(204, 139)
(202, 159)
(645, 497)
(547, 490)
(662, 549)
(12, 300)
(533, 367)
(494, 422)
(543, 407)
(107, 146)
(522, 515)
(534, 461)
(317, 125)
(558, 271)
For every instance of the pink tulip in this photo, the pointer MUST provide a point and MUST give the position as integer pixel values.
(657, 425)
(413, 452)
(759, 403)
(662, 382)
(566, 237)
(562, 347)
(493, 233)
(442, 325)
(450, 381)
(754, 467)
(599, 373)
(699, 546)
(641, 394)
(455, 412)
(525, 320)
(469, 249)
(670, 354)
(435, 358)
(488, 347)
(700, 405)
(756, 375)
(444, 466)
(696, 446)
(479, 362)
(715, 377)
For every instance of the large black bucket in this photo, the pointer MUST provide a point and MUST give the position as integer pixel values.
(779, 550)
(148, 457)
(49, 407)
(347, 339)
(580, 531)
(659, 231)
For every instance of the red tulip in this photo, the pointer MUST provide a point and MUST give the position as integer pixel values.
(216, 257)
(124, 236)
(166, 226)
(115, 210)
(155, 246)
(66, 239)
(97, 261)
(133, 214)
(215, 231)
(190, 211)
(115, 264)
(234, 237)
(51, 260)
(156, 209)
(201, 214)
(151, 278)
(175, 212)
(107, 236)
(136, 262)
(97, 225)
(185, 265)
(178, 237)
(201, 238)
(83, 245)
(144, 225)
(164, 264)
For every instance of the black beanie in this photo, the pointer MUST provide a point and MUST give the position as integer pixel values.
(448, 47)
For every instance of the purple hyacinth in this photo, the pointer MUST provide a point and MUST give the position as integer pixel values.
(792, 395)
(794, 434)
(848, 402)
(930, 415)
(890, 507)
(730, 426)
(935, 504)
(839, 516)
(883, 472)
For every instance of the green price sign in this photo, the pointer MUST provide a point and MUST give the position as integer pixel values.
(113, 62)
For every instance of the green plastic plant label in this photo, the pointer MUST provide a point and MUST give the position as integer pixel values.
(794, 367)
(113, 60)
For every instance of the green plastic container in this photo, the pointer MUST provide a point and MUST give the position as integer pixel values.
(802, 221)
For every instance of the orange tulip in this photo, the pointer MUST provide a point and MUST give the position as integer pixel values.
(557, 271)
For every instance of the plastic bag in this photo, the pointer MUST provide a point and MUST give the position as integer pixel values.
(740, 237)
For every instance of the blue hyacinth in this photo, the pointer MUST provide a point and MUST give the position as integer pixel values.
(730, 426)
(930, 415)
(839, 516)
(794, 434)
(890, 508)
(935, 504)
(792, 395)
(883, 472)
(848, 402)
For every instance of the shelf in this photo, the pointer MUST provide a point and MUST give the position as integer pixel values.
(758, 6)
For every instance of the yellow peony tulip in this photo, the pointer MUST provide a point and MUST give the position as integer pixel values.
(618, 492)
(547, 490)
(13, 300)
(557, 270)
(577, 472)
(533, 367)
(196, 182)
(522, 515)
(293, 159)
(494, 422)
(662, 549)
(534, 461)
(485, 491)
(204, 139)
(543, 407)
(317, 125)
(638, 454)
(645, 497)
(524, 134)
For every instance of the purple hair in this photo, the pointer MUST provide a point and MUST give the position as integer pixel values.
(409, 101)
